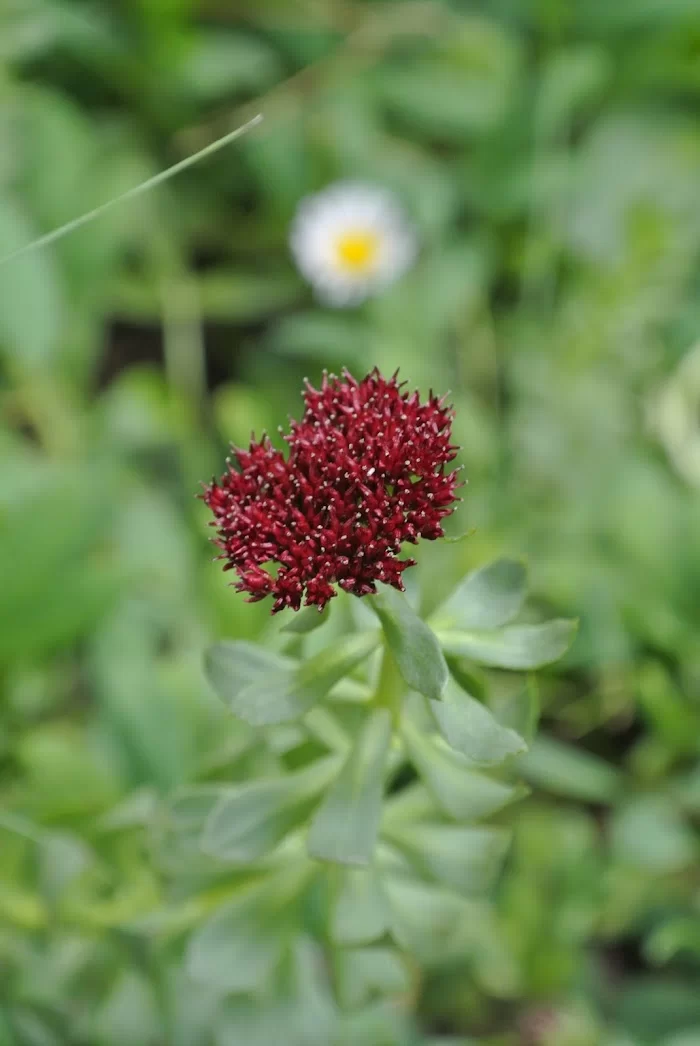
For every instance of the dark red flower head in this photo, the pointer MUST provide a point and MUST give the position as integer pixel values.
(366, 471)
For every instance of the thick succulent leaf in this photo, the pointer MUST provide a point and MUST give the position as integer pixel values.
(570, 772)
(240, 945)
(261, 688)
(425, 920)
(461, 791)
(307, 620)
(345, 826)
(517, 647)
(297, 1011)
(256, 816)
(470, 728)
(463, 858)
(363, 973)
(487, 598)
(412, 643)
(232, 665)
(360, 914)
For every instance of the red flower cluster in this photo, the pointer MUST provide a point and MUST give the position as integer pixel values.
(366, 471)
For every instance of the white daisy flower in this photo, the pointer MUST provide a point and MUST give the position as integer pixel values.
(351, 241)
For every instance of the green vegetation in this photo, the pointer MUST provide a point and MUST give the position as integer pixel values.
(548, 153)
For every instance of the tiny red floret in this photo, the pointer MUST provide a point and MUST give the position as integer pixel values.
(366, 471)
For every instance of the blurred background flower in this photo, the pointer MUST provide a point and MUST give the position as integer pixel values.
(351, 241)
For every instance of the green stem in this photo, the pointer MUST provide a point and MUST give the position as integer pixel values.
(390, 686)
(137, 190)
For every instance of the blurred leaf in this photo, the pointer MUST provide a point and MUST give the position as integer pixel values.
(411, 642)
(218, 63)
(465, 859)
(239, 946)
(30, 299)
(649, 833)
(652, 1007)
(232, 665)
(513, 647)
(320, 336)
(255, 817)
(53, 541)
(308, 619)
(152, 739)
(461, 791)
(222, 297)
(364, 973)
(464, 92)
(570, 772)
(262, 689)
(177, 828)
(345, 826)
(571, 80)
(673, 937)
(691, 1037)
(63, 859)
(470, 728)
(31, 1029)
(360, 913)
(425, 920)
(130, 1014)
(300, 1011)
(487, 598)
(379, 1022)
(64, 775)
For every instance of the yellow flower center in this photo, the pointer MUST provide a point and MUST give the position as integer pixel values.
(357, 251)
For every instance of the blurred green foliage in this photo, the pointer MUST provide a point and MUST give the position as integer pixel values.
(548, 152)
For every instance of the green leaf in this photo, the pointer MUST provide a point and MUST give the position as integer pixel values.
(487, 598)
(649, 833)
(569, 772)
(298, 1009)
(262, 688)
(677, 934)
(239, 946)
(380, 1022)
(650, 1008)
(129, 1014)
(425, 920)
(62, 860)
(461, 791)
(363, 973)
(219, 63)
(345, 826)
(449, 101)
(29, 1029)
(514, 647)
(232, 665)
(412, 643)
(231, 296)
(470, 728)
(360, 914)
(57, 531)
(465, 859)
(255, 817)
(307, 620)
(30, 303)
(319, 335)
(520, 708)
(691, 1037)
(177, 830)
